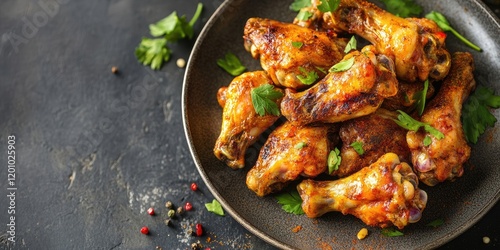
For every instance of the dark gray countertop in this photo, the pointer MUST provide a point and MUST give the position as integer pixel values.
(94, 150)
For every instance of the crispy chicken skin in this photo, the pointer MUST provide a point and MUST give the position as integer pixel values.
(442, 159)
(378, 134)
(340, 96)
(241, 125)
(289, 152)
(271, 41)
(383, 194)
(416, 45)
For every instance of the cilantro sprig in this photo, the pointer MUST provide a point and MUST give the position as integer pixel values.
(154, 52)
(328, 5)
(264, 100)
(343, 65)
(215, 207)
(351, 45)
(406, 121)
(334, 160)
(307, 77)
(299, 4)
(290, 202)
(476, 115)
(403, 8)
(443, 23)
(231, 64)
(358, 147)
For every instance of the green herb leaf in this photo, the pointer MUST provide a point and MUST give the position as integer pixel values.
(421, 97)
(443, 23)
(299, 4)
(406, 121)
(427, 141)
(402, 8)
(297, 45)
(328, 5)
(304, 15)
(174, 27)
(153, 52)
(264, 100)
(351, 45)
(290, 202)
(307, 78)
(231, 64)
(215, 207)
(476, 115)
(334, 160)
(436, 223)
(343, 65)
(358, 147)
(300, 145)
(391, 232)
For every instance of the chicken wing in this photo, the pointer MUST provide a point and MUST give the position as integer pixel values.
(375, 135)
(416, 45)
(289, 152)
(442, 159)
(241, 125)
(383, 194)
(289, 52)
(407, 96)
(340, 96)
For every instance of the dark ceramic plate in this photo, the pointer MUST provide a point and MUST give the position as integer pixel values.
(460, 204)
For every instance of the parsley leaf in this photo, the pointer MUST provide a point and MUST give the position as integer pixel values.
(358, 147)
(308, 78)
(476, 116)
(443, 23)
(343, 65)
(402, 8)
(300, 145)
(290, 202)
(421, 97)
(264, 100)
(427, 140)
(231, 64)
(299, 4)
(406, 121)
(153, 52)
(215, 207)
(391, 232)
(334, 160)
(436, 223)
(297, 45)
(304, 15)
(328, 5)
(351, 45)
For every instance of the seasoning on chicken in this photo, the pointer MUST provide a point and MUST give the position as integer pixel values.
(443, 159)
(340, 96)
(383, 194)
(241, 125)
(293, 56)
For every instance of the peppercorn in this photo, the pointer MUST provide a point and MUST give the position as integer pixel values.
(151, 211)
(114, 70)
(171, 213)
(145, 230)
(199, 230)
(168, 222)
(180, 210)
(188, 206)
(194, 186)
(168, 204)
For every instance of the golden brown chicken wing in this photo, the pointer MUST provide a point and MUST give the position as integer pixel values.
(416, 45)
(289, 152)
(383, 194)
(442, 159)
(293, 56)
(407, 96)
(366, 139)
(241, 125)
(340, 96)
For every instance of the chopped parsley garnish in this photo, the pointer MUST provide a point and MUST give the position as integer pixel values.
(300, 145)
(290, 202)
(304, 15)
(328, 5)
(406, 121)
(351, 45)
(215, 207)
(391, 232)
(427, 140)
(231, 64)
(299, 4)
(443, 23)
(476, 115)
(343, 65)
(436, 223)
(334, 160)
(264, 100)
(308, 77)
(403, 8)
(421, 97)
(358, 147)
(297, 45)
(155, 52)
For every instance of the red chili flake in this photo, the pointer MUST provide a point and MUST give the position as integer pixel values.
(151, 211)
(194, 186)
(145, 230)
(188, 206)
(199, 230)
